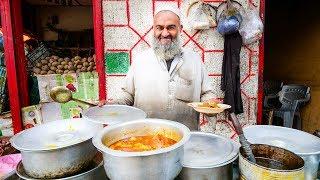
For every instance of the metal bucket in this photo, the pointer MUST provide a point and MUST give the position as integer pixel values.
(272, 163)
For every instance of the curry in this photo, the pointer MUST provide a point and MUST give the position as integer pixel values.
(142, 143)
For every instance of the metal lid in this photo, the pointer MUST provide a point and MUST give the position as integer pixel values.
(207, 150)
(55, 135)
(299, 142)
(113, 114)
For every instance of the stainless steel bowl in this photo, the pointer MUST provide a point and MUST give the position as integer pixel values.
(56, 149)
(156, 164)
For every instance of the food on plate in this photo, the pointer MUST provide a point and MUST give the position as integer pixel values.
(210, 104)
(142, 143)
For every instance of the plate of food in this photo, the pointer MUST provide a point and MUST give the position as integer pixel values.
(209, 107)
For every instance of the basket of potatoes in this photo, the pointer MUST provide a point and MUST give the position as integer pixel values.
(57, 65)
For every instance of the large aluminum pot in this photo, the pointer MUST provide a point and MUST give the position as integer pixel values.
(94, 171)
(56, 149)
(161, 164)
(272, 163)
(301, 143)
(208, 156)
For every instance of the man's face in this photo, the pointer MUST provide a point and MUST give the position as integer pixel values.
(166, 27)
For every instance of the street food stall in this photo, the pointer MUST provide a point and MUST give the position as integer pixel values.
(64, 135)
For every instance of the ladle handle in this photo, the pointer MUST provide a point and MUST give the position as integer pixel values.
(84, 102)
(243, 141)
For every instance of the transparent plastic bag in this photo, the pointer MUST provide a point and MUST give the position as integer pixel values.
(252, 27)
(198, 19)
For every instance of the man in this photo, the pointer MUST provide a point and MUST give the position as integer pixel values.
(163, 79)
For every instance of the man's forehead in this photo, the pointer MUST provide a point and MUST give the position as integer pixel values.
(166, 17)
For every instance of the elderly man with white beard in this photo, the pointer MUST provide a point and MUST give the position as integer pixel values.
(163, 79)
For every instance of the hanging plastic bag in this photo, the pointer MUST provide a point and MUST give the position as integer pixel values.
(229, 17)
(252, 27)
(200, 15)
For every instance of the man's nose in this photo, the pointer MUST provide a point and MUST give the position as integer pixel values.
(165, 33)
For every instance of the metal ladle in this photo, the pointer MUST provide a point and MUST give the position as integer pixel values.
(243, 141)
(61, 94)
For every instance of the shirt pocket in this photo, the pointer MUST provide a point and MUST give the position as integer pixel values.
(184, 89)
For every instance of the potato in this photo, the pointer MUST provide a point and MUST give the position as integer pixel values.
(55, 64)
(60, 60)
(71, 71)
(47, 58)
(85, 64)
(36, 70)
(38, 65)
(67, 59)
(51, 61)
(70, 63)
(43, 61)
(79, 66)
(59, 71)
(70, 67)
(84, 59)
(60, 67)
(91, 64)
(94, 68)
(55, 57)
(64, 62)
(53, 68)
(83, 69)
(45, 67)
(90, 59)
(78, 70)
(43, 72)
(66, 71)
(77, 57)
(51, 72)
(66, 67)
(89, 68)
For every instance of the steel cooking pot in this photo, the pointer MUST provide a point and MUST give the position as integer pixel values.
(208, 156)
(157, 164)
(56, 149)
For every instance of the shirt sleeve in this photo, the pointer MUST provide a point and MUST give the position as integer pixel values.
(206, 87)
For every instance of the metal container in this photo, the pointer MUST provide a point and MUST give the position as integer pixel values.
(56, 149)
(301, 143)
(208, 156)
(160, 164)
(113, 114)
(272, 163)
(93, 172)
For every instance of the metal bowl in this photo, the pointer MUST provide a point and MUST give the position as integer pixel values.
(56, 149)
(157, 164)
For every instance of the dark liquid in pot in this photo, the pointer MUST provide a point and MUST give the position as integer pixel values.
(272, 164)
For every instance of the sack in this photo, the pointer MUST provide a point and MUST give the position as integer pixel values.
(230, 18)
(201, 15)
(252, 27)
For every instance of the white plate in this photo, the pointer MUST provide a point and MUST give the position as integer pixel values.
(113, 114)
(208, 110)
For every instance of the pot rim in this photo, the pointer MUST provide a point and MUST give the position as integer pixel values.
(84, 139)
(97, 139)
(285, 128)
(270, 169)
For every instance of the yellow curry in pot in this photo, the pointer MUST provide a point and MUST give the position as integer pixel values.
(142, 143)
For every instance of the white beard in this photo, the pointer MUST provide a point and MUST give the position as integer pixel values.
(168, 51)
